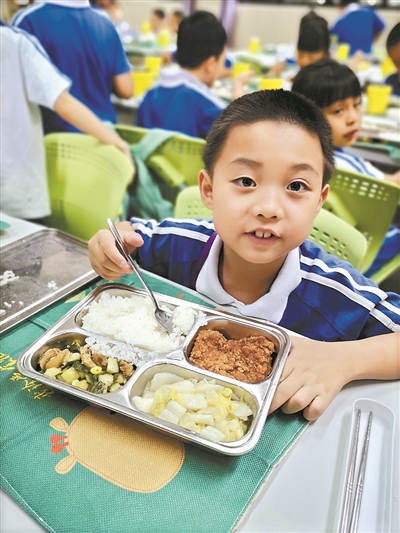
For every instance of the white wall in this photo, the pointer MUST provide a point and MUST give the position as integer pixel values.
(271, 23)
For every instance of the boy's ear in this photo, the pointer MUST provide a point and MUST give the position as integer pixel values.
(324, 194)
(205, 186)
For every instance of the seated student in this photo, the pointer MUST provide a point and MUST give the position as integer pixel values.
(314, 40)
(182, 100)
(336, 90)
(28, 79)
(157, 20)
(175, 19)
(358, 25)
(253, 256)
(393, 50)
(312, 44)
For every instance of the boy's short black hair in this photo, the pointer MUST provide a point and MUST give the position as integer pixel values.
(159, 13)
(393, 39)
(200, 36)
(312, 16)
(326, 82)
(313, 34)
(280, 106)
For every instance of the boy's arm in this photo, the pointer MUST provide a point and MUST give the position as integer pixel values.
(80, 116)
(123, 85)
(104, 256)
(239, 82)
(316, 371)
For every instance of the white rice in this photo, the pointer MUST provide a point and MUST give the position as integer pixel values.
(113, 350)
(131, 320)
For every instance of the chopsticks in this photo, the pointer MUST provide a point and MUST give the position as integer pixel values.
(350, 515)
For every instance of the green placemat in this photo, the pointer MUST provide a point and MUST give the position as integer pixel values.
(79, 469)
(4, 225)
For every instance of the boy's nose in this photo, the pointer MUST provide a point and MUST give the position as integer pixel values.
(268, 206)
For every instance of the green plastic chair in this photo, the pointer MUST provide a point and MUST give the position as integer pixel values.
(87, 181)
(338, 238)
(177, 161)
(189, 205)
(368, 204)
(332, 234)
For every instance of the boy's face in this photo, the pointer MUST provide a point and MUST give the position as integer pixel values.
(344, 117)
(265, 191)
(308, 58)
(394, 54)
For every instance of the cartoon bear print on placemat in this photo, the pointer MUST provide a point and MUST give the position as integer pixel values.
(119, 449)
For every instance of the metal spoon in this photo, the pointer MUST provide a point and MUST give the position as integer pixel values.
(164, 318)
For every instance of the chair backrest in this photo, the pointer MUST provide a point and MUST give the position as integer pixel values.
(189, 205)
(177, 161)
(332, 234)
(338, 238)
(368, 204)
(87, 181)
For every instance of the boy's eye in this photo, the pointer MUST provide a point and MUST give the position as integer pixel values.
(337, 111)
(245, 182)
(297, 186)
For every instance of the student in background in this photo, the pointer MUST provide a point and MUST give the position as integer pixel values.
(182, 100)
(85, 46)
(359, 26)
(314, 40)
(29, 79)
(175, 19)
(312, 44)
(336, 90)
(158, 20)
(254, 256)
(393, 50)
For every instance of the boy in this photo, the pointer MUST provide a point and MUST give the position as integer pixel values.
(337, 92)
(85, 46)
(314, 40)
(28, 79)
(312, 44)
(268, 159)
(393, 50)
(183, 100)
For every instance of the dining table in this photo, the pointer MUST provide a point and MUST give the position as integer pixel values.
(293, 483)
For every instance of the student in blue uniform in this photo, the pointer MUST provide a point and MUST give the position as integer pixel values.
(393, 50)
(183, 100)
(358, 25)
(268, 160)
(336, 90)
(85, 46)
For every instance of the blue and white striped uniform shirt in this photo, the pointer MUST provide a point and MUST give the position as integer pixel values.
(315, 294)
(180, 102)
(347, 161)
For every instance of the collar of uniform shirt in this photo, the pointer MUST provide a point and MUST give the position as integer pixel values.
(69, 3)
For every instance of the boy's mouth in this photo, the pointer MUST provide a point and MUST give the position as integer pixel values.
(261, 235)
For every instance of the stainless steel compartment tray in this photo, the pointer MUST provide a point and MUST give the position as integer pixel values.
(49, 264)
(258, 395)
